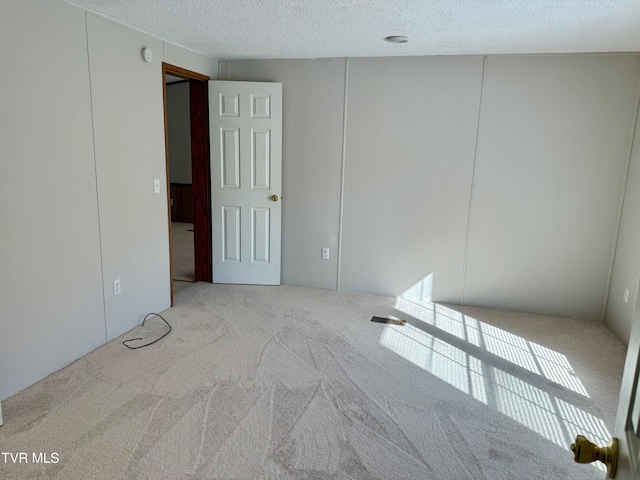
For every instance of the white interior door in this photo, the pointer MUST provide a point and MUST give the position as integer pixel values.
(627, 428)
(246, 179)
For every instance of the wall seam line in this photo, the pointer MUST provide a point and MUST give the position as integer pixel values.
(625, 184)
(342, 173)
(95, 169)
(473, 179)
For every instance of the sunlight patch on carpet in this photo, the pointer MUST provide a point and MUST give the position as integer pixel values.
(470, 361)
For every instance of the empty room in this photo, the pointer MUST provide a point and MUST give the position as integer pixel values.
(347, 240)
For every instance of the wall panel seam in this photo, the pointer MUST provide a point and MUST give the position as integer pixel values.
(625, 182)
(473, 177)
(95, 169)
(342, 173)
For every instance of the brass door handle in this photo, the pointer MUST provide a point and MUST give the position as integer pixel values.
(275, 198)
(585, 451)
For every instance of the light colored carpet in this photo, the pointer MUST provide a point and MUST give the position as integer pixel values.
(287, 382)
(179, 285)
(182, 253)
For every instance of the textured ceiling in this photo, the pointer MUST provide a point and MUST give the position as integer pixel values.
(356, 28)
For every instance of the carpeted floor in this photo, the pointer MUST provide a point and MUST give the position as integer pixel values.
(287, 382)
(182, 254)
(179, 285)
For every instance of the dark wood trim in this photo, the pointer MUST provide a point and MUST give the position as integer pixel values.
(182, 203)
(201, 179)
(183, 73)
(201, 175)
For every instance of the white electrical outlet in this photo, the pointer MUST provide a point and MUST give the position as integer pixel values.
(625, 295)
(116, 287)
(325, 254)
(156, 185)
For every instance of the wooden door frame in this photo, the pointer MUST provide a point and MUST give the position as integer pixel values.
(200, 168)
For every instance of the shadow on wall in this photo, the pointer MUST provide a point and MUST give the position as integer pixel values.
(506, 372)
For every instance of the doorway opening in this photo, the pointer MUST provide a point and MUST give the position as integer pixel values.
(188, 175)
(180, 184)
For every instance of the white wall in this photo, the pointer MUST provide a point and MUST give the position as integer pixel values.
(76, 218)
(411, 134)
(183, 58)
(551, 161)
(179, 132)
(627, 261)
(50, 270)
(525, 220)
(129, 136)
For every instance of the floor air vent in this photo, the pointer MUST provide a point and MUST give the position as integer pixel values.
(390, 321)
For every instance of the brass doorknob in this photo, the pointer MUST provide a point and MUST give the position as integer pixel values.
(275, 198)
(586, 452)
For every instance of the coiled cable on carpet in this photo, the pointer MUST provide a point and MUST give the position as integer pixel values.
(140, 338)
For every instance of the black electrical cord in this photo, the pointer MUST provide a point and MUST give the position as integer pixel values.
(151, 343)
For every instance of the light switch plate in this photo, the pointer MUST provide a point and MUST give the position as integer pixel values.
(156, 185)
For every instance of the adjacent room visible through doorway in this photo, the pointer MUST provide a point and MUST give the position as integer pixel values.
(182, 255)
(180, 178)
(188, 175)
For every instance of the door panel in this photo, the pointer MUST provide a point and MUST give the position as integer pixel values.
(260, 233)
(231, 234)
(246, 180)
(230, 162)
(261, 160)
